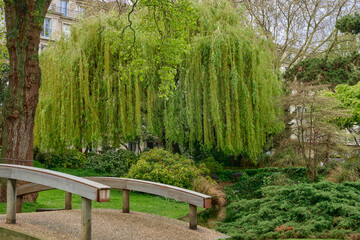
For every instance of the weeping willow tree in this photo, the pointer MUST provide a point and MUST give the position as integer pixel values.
(197, 75)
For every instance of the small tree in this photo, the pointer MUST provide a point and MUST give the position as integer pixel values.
(313, 123)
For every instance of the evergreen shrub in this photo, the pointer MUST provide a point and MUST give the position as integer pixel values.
(115, 163)
(211, 164)
(250, 184)
(72, 159)
(224, 175)
(318, 210)
(298, 174)
(159, 165)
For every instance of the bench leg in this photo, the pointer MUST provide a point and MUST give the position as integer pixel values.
(68, 199)
(19, 204)
(11, 201)
(192, 217)
(85, 219)
(126, 201)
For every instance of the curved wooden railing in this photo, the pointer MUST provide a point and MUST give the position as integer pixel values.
(194, 199)
(87, 189)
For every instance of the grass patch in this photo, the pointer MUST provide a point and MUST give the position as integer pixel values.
(139, 202)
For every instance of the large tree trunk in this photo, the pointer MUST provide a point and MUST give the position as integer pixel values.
(24, 20)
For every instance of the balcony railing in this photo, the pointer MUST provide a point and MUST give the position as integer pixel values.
(64, 11)
(46, 32)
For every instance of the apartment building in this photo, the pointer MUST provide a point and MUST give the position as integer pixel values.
(61, 15)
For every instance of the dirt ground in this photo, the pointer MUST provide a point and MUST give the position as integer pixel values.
(107, 224)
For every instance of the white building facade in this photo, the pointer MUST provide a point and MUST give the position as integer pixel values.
(61, 15)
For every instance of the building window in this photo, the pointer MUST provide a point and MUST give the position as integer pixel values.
(46, 32)
(64, 7)
(66, 29)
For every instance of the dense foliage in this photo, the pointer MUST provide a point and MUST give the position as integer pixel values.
(159, 165)
(250, 184)
(349, 24)
(349, 97)
(71, 159)
(295, 173)
(111, 162)
(340, 70)
(220, 73)
(211, 164)
(321, 210)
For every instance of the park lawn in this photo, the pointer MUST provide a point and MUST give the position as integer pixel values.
(139, 202)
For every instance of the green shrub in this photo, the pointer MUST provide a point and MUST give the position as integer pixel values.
(341, 174)
(158, 165)
(319, 210)
(224, 175)
(279, 179)
(295, 173)
(211, 164)
(115, 163)
(250, 184)
(247, 187)
(74, 159)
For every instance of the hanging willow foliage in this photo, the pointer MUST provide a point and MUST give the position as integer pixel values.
(98, 88)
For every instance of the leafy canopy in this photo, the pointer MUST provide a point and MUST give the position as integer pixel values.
(349, 24)
(193, 73)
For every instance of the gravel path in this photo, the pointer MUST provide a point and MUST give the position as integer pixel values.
(107, 224)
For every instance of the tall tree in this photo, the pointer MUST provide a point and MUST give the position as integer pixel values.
(300, 28)
(220, 74)
(349, 95)
(24, 21)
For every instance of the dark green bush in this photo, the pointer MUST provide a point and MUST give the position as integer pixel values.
(295, 173)
(162, 166)
(298, 174)
(250, 184)
(319, 210)
(224, 175)
(73, 159)
(115, 163)
(211, 164)
(81, 172)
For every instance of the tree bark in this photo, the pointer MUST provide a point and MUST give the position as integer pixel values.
(24, 20)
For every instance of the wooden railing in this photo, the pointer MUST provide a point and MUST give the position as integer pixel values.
(194, 199)
(87, 189)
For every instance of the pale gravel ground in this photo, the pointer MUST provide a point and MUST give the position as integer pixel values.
(107, 224)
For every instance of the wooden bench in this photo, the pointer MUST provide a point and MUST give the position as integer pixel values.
(194, 199)
(87, 189)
